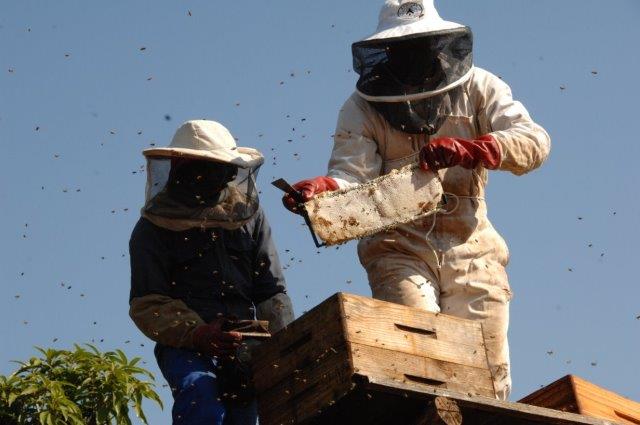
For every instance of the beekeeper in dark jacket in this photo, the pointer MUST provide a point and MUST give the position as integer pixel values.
(202, 258)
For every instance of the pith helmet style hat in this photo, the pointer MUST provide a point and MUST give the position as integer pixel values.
(400, 18)
(207, 140)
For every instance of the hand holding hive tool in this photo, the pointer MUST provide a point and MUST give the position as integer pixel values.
(257, 329)
(399, 197)
(298, 208)
(307, 189)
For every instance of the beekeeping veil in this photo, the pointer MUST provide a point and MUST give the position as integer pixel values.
(412, 69)
(202, 179)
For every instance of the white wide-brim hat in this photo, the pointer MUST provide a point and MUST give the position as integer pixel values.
(399, 18)
(207, 140)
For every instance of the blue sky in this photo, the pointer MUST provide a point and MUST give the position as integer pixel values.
(76, 88)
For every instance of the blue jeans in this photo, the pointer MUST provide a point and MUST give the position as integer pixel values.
(196, 390)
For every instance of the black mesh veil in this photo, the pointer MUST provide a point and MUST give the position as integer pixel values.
(413, 81)
(424, 116)
(200, 192)
(413, 65)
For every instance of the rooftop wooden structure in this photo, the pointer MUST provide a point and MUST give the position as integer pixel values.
(574, 394)
(387, 402)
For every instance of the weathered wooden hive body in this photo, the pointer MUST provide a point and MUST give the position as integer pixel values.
(354, 360)
(323, 356)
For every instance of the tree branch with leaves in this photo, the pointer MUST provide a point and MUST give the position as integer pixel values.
(79, 387)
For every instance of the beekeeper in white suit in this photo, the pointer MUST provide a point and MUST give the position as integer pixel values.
(420, 99)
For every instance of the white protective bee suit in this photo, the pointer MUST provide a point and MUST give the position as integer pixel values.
(454, 262)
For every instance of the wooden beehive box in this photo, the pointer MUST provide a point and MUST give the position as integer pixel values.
(573, 394)
(315, 366)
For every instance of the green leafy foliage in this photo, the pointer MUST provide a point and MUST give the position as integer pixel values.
(79, 387)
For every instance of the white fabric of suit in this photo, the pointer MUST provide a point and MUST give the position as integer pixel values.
(458, 267)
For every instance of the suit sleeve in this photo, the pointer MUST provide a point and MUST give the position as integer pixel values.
(524, 145)
(269, 293)
(268, 279)
(355, 158)
(161, 318)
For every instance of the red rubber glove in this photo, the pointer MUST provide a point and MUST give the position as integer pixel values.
(211, 340)
(446, 152)
(309, 188)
